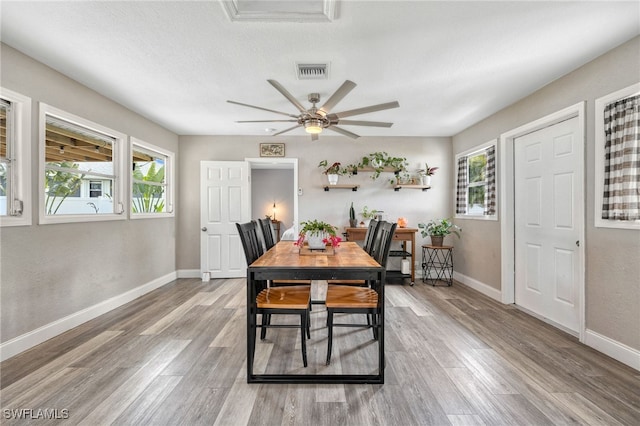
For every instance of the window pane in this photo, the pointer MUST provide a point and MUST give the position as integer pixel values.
(75, 156)
(477, 168)
(5, 129)
(3, 189)
(476, 200)
(149, 184)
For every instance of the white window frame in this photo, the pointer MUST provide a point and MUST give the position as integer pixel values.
(118, 160)
(21, 170)
(600, 141)
(169, 177)
(470, 153)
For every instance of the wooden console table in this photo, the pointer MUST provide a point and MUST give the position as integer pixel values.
(404, 235)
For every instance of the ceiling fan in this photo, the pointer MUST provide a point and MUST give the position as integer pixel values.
(315, 120)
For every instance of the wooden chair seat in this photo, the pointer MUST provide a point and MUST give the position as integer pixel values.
(287, 297)
(340, 296)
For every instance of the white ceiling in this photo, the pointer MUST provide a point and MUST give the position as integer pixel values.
(448, 63)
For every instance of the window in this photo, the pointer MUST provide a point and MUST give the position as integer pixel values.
(82, 169)
(617, 159)
(476, 183)
(15, 157)
(151, 180)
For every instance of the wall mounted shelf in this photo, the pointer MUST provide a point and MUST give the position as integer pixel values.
(354, 188)
(422, 187)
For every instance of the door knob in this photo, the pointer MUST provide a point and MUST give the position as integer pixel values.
(204, 229)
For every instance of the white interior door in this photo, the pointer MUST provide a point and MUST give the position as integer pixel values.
(224, 200)
(549, 208)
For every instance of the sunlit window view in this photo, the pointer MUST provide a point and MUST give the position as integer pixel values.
(5, 144)
(149, 185)
(79, 171)
(477, 184)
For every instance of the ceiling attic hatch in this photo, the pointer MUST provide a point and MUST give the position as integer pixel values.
(280, 10)
(312, 71)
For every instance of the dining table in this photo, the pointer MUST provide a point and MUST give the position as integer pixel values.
(287, 261)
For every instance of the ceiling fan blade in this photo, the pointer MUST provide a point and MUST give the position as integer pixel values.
(364, 123)
(343, 131)
(342, 91)
(287, 130)
(287, 95)
(267, 121)
(314, 137)
(364, 110)
(263, 109)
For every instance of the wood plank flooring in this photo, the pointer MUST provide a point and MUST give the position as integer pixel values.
(453, 356)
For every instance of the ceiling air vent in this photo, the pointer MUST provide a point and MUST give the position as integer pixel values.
(312, 71)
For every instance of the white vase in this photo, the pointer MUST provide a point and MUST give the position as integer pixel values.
(314, 239)
(425, 180)
(333, 179)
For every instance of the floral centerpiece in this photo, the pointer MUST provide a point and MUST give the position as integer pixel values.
(318, 234)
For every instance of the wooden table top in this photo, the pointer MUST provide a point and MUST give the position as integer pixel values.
(286, 255)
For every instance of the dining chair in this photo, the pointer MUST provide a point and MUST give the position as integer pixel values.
(350, 299)
(267, 237)
(369, 241)
(287, 300)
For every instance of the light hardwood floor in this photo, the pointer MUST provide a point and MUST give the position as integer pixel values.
(178, 356)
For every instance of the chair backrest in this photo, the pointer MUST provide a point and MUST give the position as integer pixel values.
(386, 230)
(249, 236)
(370, 236)
(267, 233)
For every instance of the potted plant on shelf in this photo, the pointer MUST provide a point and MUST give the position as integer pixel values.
(318, 234)
(438, 229)
(333, 171)
(425, 174)
(380, 160)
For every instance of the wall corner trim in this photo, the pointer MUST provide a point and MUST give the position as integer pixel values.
(616, 350)
(188, 273)
(28, 340)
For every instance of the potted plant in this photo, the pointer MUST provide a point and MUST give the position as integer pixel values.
(425, 174)
(333, 171)
(438, 229)
(367, 215)
(380, 160)
(352, 217)
(318, 234)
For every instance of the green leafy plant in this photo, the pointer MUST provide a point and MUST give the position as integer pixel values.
(148, 198)
(335, 168)
(368, 214)
(58, 185)
(439, 228)
(317, 226)
(381, 160)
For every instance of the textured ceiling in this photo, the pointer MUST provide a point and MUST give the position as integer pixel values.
(449, 64)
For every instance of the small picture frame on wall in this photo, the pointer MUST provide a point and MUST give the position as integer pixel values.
(271, 150)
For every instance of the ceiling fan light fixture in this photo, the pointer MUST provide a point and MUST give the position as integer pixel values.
(313, 126)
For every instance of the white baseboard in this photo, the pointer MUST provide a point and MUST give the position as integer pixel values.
(189, 273)
(483, 288)
(35, 337)
(613, 348)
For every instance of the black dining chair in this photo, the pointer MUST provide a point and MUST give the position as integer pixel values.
(287, 300)
(267, 238)
(360, 300)
(368, 246)
(267, 233)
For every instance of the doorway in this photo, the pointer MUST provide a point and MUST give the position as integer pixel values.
(225, 199)
(542, 218)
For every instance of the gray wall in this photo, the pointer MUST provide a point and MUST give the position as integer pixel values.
(612, 255)
(48, 272)
(332, 206)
